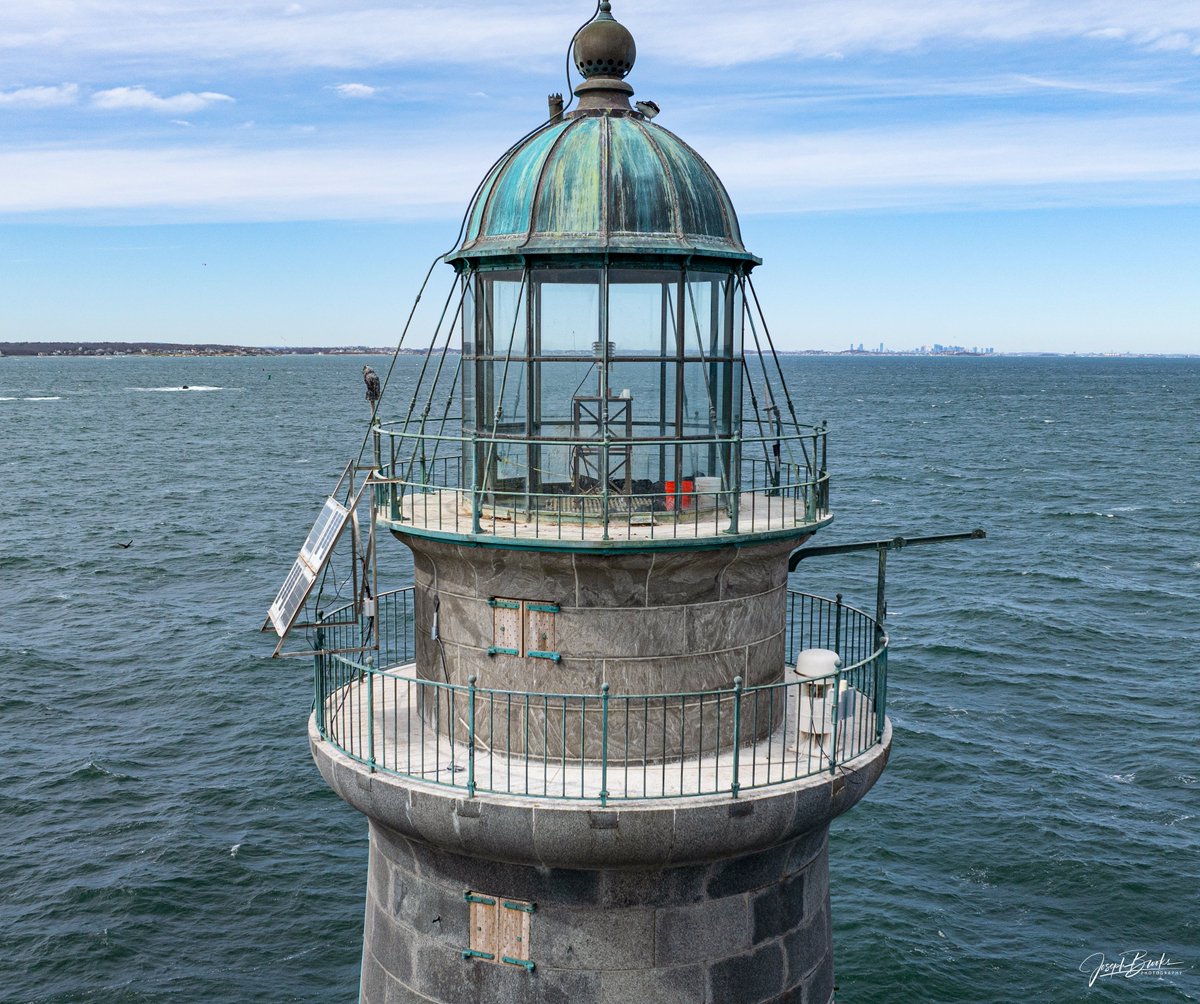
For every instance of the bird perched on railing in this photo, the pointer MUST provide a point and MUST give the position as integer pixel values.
(374, 389)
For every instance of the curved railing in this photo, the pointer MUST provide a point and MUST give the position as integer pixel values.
(549, 486)
(603, 746)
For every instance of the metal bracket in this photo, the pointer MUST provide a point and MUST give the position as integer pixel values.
(882, 546)
(471, 897)
(893, 544)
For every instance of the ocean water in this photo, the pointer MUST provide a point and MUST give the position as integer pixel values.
(166, 836)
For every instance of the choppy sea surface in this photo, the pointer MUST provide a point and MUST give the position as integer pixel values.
(167, 838)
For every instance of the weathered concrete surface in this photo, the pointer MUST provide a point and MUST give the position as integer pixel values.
(654, 623)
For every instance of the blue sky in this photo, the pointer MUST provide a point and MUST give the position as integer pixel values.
(1023, 175)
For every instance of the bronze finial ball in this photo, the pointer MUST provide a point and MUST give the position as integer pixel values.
(605, 48)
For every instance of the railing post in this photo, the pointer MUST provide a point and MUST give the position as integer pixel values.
(737, 735)
(735, 489)
(881, 597)
(476, 485)
(880, 692)
(470, 736)
(833, 744)
(393, 487)
(319, 677)
(824, 465)
(837, 627)
(370, 713)
(604, 745)
(604, 461)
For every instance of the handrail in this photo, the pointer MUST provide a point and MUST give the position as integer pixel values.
(488, 481)
(609, 747)
(519, 439)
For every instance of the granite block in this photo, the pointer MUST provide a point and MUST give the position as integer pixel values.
(524, 574)
(621, 632)
(602, 582)
(684, 577)
(806, 946)
(756, 569)
(654, 887)
(748, 873)
(818, 984)
(712, 929)
(778, 908)
(681, 985)
(753, 976)
(588, 939)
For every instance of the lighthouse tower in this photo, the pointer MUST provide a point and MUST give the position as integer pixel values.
(599, 740)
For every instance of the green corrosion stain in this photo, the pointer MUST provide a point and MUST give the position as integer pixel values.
(641, 200)
(508, 209)
(571, 195)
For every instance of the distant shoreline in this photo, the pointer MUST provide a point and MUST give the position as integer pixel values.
(199, 350)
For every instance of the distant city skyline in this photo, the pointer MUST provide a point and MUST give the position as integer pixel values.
(1008, 175)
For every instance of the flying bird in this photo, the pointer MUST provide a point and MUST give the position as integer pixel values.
(130, 544)
(648, 108)
(374, 389)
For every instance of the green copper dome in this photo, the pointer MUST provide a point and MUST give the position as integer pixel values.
(604, 180)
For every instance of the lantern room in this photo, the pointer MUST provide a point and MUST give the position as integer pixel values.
(615, 380)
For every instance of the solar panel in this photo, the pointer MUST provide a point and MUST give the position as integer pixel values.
(324, 533)
(304, 571)
(295, 588)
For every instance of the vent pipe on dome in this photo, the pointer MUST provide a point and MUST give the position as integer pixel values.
(556, 108)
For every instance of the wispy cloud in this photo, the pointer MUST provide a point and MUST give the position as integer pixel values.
(142, 99)
(988, 107)
(356, 90)
(353, 33)
(1090, 87)
(1099, 160)
(1087, 161)
(40, 97)
(219, 183)
(765, 29)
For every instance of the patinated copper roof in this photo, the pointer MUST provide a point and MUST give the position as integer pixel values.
(605, 180)
(608, 181)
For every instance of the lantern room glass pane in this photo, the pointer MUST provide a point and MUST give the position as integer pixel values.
(641, 312)
(566, 311)
(649, 384)
(501, 327)
(495, 336)
(709, 328)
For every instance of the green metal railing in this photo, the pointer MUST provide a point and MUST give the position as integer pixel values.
(758, 484)
(605, 747)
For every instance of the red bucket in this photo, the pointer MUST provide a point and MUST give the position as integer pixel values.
(686, 496)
